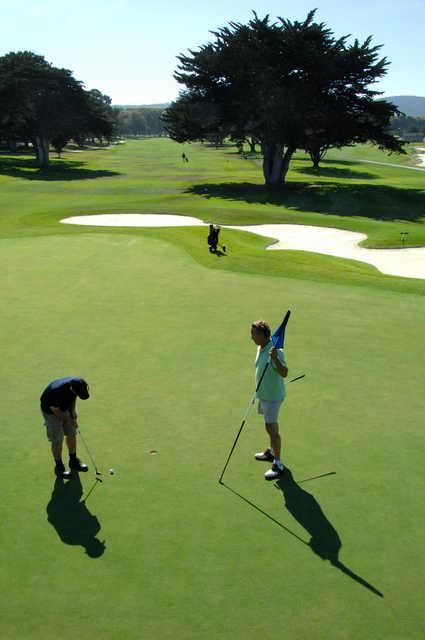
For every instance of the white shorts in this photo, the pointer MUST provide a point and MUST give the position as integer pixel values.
(56, 428)
(270, 410)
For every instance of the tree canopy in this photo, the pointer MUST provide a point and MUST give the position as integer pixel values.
(289, 85)
(45, 104)
(139, 121)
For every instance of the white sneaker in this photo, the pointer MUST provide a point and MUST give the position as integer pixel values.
(275, 471)
(266, 456)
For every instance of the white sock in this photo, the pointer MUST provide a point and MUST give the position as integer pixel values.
(271, 451)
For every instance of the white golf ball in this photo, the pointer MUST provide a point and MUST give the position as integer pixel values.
(111, 472)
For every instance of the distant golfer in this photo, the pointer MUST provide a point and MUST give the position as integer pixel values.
(271, 393)
(213, 238)
(57, 404)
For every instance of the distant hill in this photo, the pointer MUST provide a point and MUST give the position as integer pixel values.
(410, 105)
(142, 106)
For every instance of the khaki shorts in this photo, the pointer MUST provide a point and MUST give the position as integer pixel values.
(56, 428)
(270, 410)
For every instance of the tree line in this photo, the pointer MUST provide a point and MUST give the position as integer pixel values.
(46, 106)
(285, 86)
(139, 121)
(279, 85)
(409, 125)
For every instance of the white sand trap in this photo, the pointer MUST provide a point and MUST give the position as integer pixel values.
(420, 152)
(408, 263)
(135, 220)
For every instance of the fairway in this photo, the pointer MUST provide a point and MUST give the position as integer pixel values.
(160, 329)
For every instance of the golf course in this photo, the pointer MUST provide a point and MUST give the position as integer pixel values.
(160, 329)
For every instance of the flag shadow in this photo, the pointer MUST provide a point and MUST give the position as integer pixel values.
(68, 514)
(324, 541)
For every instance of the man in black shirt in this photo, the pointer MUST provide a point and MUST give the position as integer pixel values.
(57, 405)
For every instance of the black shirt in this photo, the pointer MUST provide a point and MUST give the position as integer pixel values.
(58, 394)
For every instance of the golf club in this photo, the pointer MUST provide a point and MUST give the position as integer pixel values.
(98, 473)
(297, 378)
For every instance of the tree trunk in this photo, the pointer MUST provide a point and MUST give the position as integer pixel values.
(275, 163)
(287, 159)
(41, 145)
(252, 142)
(317, 154)
(315, 158)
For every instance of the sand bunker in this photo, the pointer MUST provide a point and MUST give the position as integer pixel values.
(136, 220)
(408, 263)
(420, 152)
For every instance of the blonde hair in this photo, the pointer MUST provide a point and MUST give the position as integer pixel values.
(262, 327)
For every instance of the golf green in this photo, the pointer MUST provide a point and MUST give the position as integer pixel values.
(160, 328)
(165, 346)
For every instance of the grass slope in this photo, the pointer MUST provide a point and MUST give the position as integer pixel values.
(165, 346)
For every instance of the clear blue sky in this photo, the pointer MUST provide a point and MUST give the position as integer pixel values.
(127, 48)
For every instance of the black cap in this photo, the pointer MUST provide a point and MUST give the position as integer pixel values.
(81, 388)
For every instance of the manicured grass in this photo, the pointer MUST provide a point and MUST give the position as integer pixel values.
(148, 176)
(165, 346)
(160, 329)
(362, 152)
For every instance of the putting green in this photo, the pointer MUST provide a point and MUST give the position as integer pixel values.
(164, 343)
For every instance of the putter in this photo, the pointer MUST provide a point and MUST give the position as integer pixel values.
(297, 378)
(98, 473)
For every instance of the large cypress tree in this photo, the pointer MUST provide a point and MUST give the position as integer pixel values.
(290, 85)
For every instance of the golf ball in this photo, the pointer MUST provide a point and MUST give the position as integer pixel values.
(111, 472)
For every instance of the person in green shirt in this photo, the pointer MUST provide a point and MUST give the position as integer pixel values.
(270, 394)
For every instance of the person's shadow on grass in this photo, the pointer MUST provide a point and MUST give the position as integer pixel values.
(70, 517)
(325, 541)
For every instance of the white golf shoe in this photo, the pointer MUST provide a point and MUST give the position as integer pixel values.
(265, 456)
(276, 471)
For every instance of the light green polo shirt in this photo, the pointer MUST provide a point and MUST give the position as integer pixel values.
(272, 388)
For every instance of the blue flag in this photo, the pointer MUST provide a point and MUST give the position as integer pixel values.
(278, 337)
